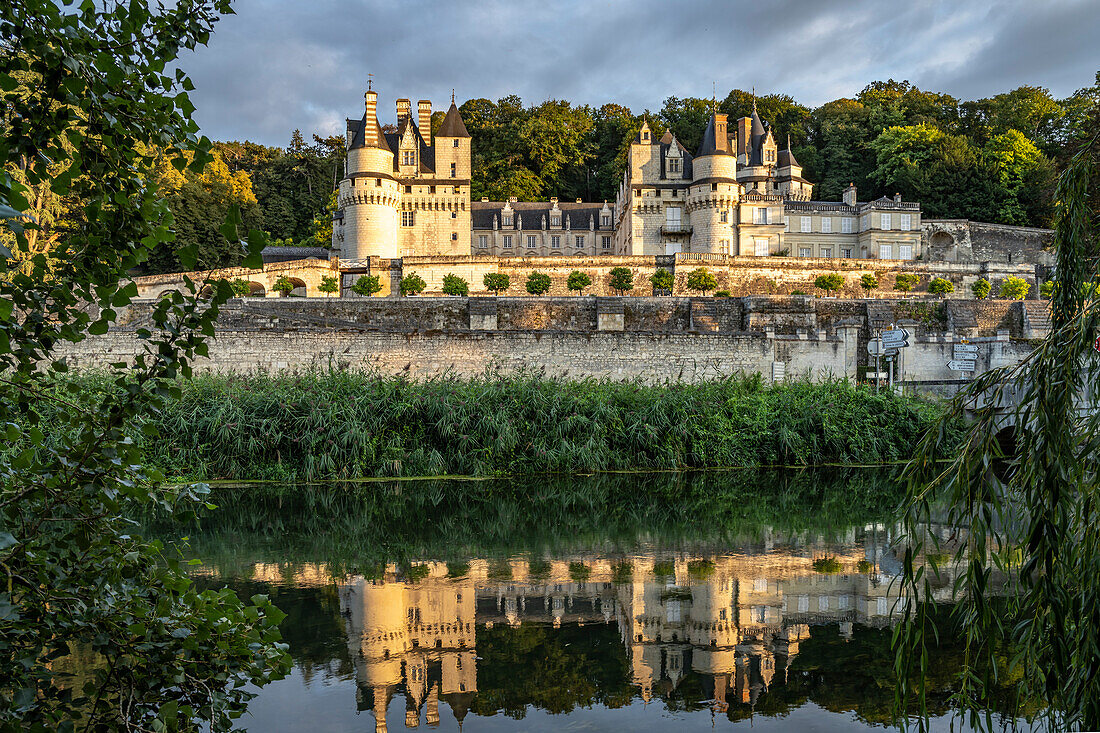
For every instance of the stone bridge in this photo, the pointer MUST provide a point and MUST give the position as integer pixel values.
(304, 274)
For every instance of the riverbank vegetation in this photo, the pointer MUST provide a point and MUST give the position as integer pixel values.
(346, 425)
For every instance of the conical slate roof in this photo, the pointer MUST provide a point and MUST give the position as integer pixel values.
(709, 145)
(359, 139)
(786, 157)
(452, 124)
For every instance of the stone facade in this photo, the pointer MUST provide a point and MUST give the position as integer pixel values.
(739, 195)
(535, 229)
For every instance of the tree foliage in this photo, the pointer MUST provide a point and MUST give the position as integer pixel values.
(621, 279)
(283, 285)
(367, 285)
(578, 281)
(662, 280)
(1014, 288)
(329, 285)
(940, 286)
(980, 288)
(412, 284)
(868, 282)
(496, 282)
(538, 283)
(454, 285)
(702, 279)
(829, 282)
(107, 101)
(904, 281)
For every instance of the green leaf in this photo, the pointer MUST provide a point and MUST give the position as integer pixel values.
(7, 539)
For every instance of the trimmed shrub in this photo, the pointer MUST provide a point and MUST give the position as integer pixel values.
(412, 284)
(454, 285)
(538, 283)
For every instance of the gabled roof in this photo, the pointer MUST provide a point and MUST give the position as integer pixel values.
(452, 124)
(786, 157)
(667, 138)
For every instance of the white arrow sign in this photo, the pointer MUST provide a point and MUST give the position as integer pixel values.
(961, 366)
(966, 349)
(897, 333)
(893, 342)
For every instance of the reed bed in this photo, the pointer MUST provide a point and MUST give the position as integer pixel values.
(345, 424)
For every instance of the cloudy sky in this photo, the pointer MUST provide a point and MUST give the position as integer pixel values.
(283, 64)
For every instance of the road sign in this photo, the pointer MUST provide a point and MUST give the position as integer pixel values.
(965, 349)
(1096, 343)
(878, 375)
(894, 343)
(897, 333)
(874, 348)
(962, 366)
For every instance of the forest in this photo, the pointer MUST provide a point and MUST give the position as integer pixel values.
(994, 159)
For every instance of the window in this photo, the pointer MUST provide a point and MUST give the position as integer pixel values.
(408, 189)
(805, 224)
(906, 222)
(454, 143)
(507, 220)
(826, 225)
(408, 157)
(884, 220)
(408, 218)
(672, 611)
(865, 222)
(760, 216)
(579, 241)
(769, 156)
(823, 603)
(803, 604)
(826, 251)
(885, 252)
(672, 216)
(721, 614)
(454, 236)
(846, 253)
(842, 603)
(605, 220)
(482, 241)
(454, 170)
(673, 165)
(846, 225)
(530, 242)
(507, 241)
(805, 252)
(880, 605)
(786, 223)
(645, 135)
(724, 217)
(555, 242)
(760, 585)
(761, 246)
(555, 220)
(605, 243)
(724, 246)
(905, 251)
(454, 214)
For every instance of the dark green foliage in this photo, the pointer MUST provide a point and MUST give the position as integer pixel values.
(80, 584)
(621, 279)
(721, 293)
(828, 565)
(578, 281)
(412, 284)
(496, 282)
(701, 279)
(905, 281)
(830, 282)
(538, 283)
(981, 288)
(367, 285)
(454, 285)
(241, 288)
(940, 286)
(346, 424)
(1046, 289)
(662, 280)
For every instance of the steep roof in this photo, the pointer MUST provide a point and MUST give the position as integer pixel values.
(709, 145)
(786, 157)
(452, 124)
(532, 212)
(359, 139)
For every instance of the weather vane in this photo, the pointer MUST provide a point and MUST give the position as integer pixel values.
(370, 82)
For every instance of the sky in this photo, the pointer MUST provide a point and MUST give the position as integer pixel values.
(278, 65)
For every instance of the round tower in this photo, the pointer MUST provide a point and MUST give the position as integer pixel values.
(712, 196)
(369, 195)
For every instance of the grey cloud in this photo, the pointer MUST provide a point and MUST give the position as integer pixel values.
(284, 64)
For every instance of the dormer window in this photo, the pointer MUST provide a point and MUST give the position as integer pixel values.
(673, 165)
(605, 220)
(408, 157)
(555, 220)
(645, 135)
(507, 220)
(769, 156)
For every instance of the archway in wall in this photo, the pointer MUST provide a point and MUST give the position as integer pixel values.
(256, 290)
(299, 290)
(943, 246)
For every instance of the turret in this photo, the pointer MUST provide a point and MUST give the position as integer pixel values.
(368, 194)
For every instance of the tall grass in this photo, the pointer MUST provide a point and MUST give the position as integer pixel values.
(340, 424)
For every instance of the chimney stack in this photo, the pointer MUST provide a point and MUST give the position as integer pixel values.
(721, 133)
(370, 132)
(404, 108)
(850, 195)
(424, 112)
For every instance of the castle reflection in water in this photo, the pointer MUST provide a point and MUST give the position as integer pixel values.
(736, 619)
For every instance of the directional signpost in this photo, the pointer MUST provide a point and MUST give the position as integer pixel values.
(965, 358)
(961, 366)
(887, 345)
(896, 338)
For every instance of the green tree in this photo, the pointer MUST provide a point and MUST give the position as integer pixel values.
(79, 580)
(283, 285)
(662, 280)
(702, 279)
(940, 286)
(1014, 288)
(412, 284)
(538, 283)
(868, 282)
(721, 293)
(981, 288)
(905, 281)
(621, 279)
(454, 285)
(687, 119)
(830, 282)
(1026, 175)
(241, 288)
(329, 285)
(578, 281)
(1046, 289)
(367, 285)
(497, 282)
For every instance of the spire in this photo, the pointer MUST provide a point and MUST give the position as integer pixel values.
(452, 124)
(754, 99)
(452, 96)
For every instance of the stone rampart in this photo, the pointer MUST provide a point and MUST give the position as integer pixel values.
(653, 339)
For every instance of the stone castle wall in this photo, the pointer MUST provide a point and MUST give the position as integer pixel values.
(652, 339)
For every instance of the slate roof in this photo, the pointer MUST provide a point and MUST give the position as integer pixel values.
(709, 144)
(452, 124)
(280, 253)
(531, 212)
(786, 157)
(359, 140)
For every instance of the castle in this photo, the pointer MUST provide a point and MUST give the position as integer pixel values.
(407, 193)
